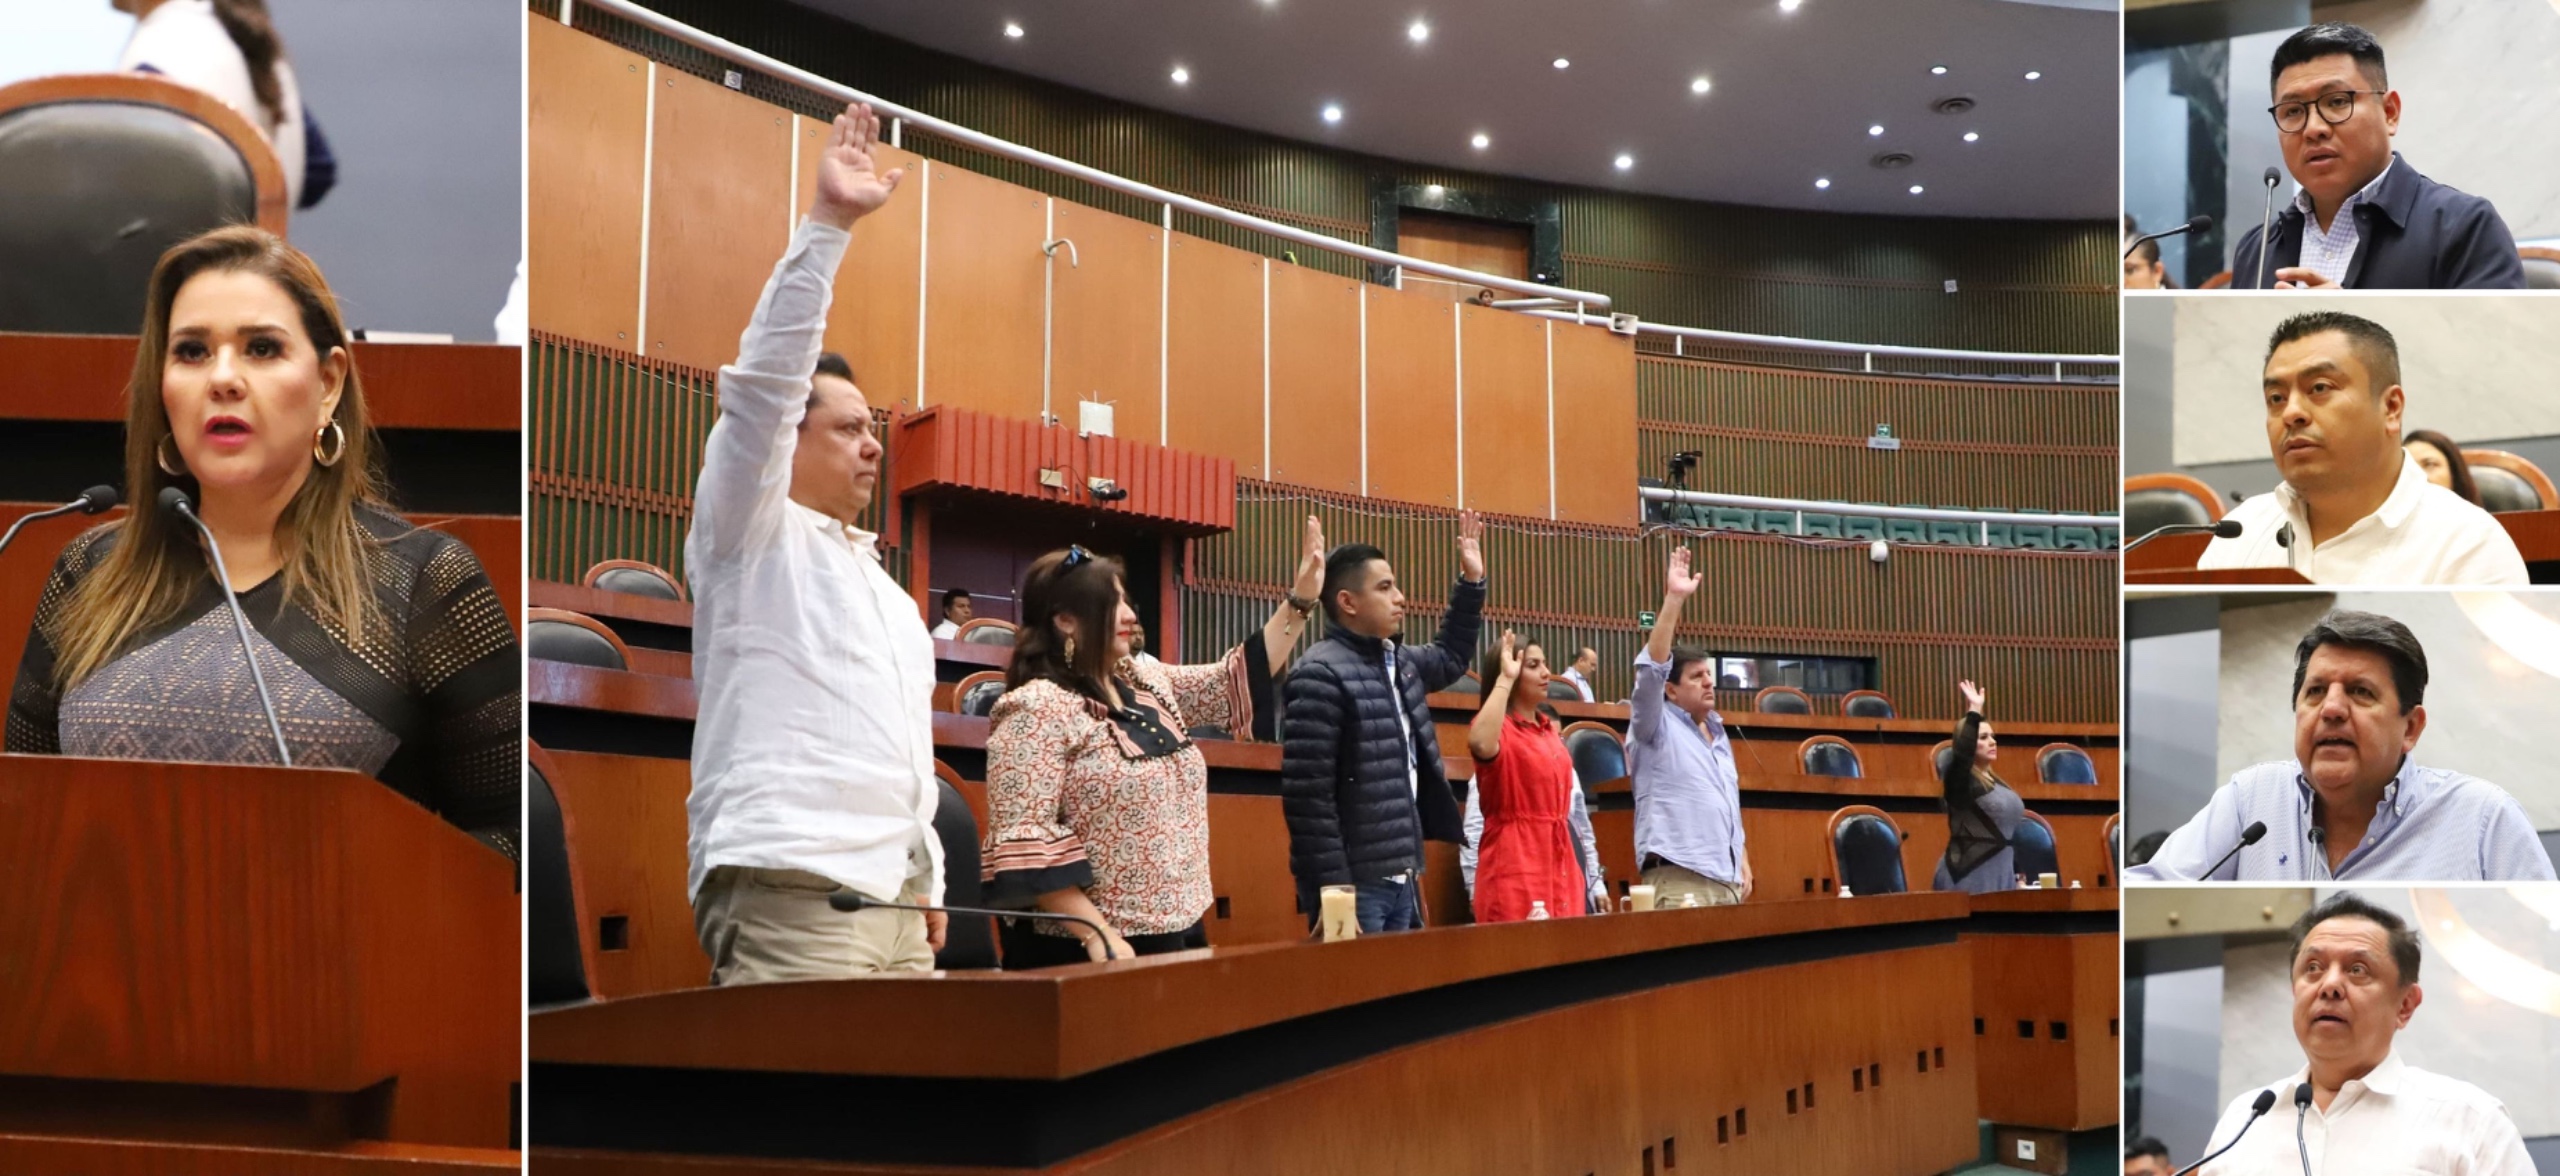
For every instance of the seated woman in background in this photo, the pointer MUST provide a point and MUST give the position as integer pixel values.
(1526, 862)
(229, 49)
(2441, 460)
(384, 646)
(1097, 800)
(1981, 811)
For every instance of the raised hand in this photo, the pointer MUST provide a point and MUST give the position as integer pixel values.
(1677, 579)
(1510, 655)
(1470, 550)
(1310, 578)
(1972, 695)
(849, 185)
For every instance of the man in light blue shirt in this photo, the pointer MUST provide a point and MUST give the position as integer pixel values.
(2352, 805)
(1688, 796)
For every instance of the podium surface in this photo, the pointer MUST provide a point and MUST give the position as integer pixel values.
(209, 968)
(2046, 988)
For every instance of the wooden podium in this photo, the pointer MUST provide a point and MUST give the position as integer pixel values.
(2172, 559)
(2048, 1019)
(215, 969)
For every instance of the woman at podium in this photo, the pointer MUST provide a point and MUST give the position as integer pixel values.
(1097, 799)
(1981, 811)
(379, 647)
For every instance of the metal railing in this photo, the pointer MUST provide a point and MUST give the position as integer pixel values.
(1869, 351)
(1982, 520)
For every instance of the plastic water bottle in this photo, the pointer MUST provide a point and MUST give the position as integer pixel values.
(1538, 910)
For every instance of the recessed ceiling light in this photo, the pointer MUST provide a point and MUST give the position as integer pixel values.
(1013, 30)
(1481, 141)
(1972, 136)
(1823, 183)
(1564, 63)
(1915, 189)
(1938, 69)
(1625, 161)
(1333, 114)
(1181, 76)
(1789, 5)
(1877, 129)
(2033, 74)
(1698, 85)
(1417, 32)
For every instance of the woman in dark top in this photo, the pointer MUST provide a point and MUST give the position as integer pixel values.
(384, 647)
(1981, 811)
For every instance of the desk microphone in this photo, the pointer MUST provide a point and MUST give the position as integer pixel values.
(2226, 529)
(2266, 1102)
(175, 501)
(2266, 224)
(2248, 837)
(2301, 1109)
(94, 500)
(854, 900)
(2193, 225)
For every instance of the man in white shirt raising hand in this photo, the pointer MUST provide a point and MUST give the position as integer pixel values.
(813, 745)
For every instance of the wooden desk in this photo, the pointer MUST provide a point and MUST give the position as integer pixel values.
(2046, 985)
(471, 386)
(1573, 1045)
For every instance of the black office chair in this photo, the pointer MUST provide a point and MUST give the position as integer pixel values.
(1866, 851)
(978, 696)
(1782, 700)
(1598, 755)
(2062, 763)
(969, 941)
(1826, 755)
(1866, 704)
(1560, 690)
(2032, 846)
(987, 631)
(631, 577)
(2502, 491)
(1939, 755)
(2149, 509)
(555, 970)
(1466, 685)
(1208, 732)
(100, 175)
(552, 634)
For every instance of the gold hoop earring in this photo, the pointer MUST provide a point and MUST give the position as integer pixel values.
(331, 457)
(1071, 649)
(160, 453)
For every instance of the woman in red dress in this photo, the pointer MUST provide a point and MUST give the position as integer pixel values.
(1526, 856)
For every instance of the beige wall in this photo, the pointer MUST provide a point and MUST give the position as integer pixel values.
(2476, 80)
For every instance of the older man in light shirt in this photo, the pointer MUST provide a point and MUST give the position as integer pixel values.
(1689, 838)
(813, 749)
(2353, 507)
(2352, 804)
(2355, 986)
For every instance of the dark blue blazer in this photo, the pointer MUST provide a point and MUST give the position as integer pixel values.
(2414, 234)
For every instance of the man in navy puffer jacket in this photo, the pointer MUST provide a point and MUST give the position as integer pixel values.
(1360, 775)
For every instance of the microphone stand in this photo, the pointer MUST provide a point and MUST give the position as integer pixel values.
(175, 501)
(2266, 226)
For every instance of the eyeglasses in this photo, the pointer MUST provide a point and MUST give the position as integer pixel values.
(2336, 106)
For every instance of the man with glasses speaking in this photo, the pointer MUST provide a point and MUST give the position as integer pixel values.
(2363, 218)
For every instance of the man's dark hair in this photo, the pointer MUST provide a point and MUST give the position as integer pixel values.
(2148, 251)
(2374, 632)
(950, 595)
(2346, 904)
(2148, 1145)
(2371, 343)
(829, 364)
(1681, 658)
(1340, 571)
(2328, 40)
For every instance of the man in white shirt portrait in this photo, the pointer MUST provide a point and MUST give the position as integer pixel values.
(1586, 662)
(813, 742)
(957, 610)
(2354, 508)
(2355, 986)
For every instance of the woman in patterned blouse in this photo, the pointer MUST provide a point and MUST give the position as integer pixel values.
(1097, 800)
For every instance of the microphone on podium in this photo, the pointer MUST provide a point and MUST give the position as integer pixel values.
(2248, 837)
(94, 500)
(2266, 222)
(854, 900)
(2195, 224)
(175, 502)
(2226, 529)
(2301, 1107)
(2266, 1102)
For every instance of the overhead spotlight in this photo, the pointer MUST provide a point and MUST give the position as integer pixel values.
(1972, 136)
(1181, 76)
(1624, 162)
(2033, 74)
(1875, 130)
(1333, 114)
(1698, 86)
(1417, 32)
(1013, 30)
(1789, 5)
(1432, 189)
(1915, 189)
(1481, 141)
(1939, 70)
(1564, 63)
(1824, 183)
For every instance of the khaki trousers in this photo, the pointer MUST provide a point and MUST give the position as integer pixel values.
(766, 926)
(1670, 881)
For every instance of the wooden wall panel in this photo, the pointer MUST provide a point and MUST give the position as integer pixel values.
(1106, 331)
(1315, 378)
(1214, 337)
(1413, 398)
(872, 322)
(1249, 872)
(984, 293)
(586, 122)
(719, 212)
(1502, 405)
(625, 818)
(1595, 426)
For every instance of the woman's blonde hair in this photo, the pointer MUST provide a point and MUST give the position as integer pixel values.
(153, 566)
